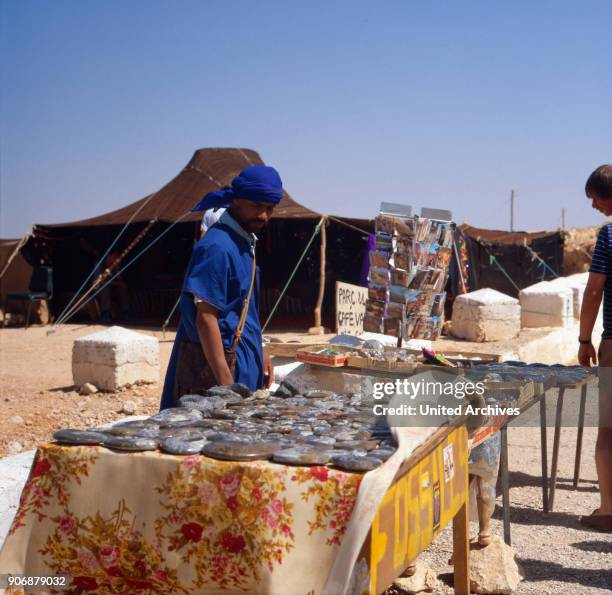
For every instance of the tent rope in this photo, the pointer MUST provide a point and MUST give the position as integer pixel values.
(14, 253)
(103, 258)
(246, 157)
(149, 245)
(347, 224)
(201, 171)
(535, 256)
(65, 314)
(297, 266)
(106, 272)
(494, 261)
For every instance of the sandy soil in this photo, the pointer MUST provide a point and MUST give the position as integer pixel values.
(36, 392)
(37, 398)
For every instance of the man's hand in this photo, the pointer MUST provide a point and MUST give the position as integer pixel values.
(268, 368)
(586, 355)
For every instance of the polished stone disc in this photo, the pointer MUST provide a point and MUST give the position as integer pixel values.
(320, 440)
(236, 451)
(302, 455)
(176, 414)
(228, 436)
(70, 436)
(381, 453)
(130, 443)
(182, 446)
(350, 462)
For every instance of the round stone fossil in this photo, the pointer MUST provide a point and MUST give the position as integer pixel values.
(183, 446)
(130, 443)
(229, 436)
(144, 432)
(351, 462)
(302, 455)
(75, 437)
(320, 394)
(176, 415)
(381, 453)
(237, 451)
(320, 440)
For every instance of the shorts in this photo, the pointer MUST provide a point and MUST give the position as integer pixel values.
(604, 359)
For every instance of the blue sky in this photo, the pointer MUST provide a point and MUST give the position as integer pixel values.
(442, 104)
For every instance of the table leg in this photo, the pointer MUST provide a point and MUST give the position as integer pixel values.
(505, 483)
(583, 396)
(544, 453)
(461, 550)
(555, 454)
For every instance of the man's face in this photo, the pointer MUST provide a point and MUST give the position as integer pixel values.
(253, 216)
(604, 206)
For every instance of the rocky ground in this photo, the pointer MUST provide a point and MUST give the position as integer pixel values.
(36, 392)
(37, 398)
(555, 552)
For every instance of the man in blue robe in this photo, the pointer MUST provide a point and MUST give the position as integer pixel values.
(216, 287)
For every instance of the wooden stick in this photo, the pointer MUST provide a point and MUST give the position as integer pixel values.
(461, 551)
(317, 310)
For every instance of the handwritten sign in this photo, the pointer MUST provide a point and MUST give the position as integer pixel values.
(350, 308)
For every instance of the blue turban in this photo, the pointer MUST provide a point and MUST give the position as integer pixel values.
(259, 183)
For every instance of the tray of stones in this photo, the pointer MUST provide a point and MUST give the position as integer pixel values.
(369, 363)
(333, 356)
(292, 426)
(373, 356)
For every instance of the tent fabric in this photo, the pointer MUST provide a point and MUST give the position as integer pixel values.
(208, 170)
(17, 275)
(496, 236)
(517, 261)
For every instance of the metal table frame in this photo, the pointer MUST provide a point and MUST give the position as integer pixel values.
(548, 485)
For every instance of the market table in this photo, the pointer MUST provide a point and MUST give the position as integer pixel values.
(524, 393)
(156, 523)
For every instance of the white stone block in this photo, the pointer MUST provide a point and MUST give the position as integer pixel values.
(577, 284)
(486, 315)
(581, 278)
(547, 304)
(114, 358)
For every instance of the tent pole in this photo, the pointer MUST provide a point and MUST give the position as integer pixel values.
(317, 329)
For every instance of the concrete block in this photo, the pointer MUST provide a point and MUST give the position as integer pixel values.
(486, 315)
(547, 304)
(577, 284)
(114, 358)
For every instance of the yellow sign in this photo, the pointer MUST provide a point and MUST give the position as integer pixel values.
(416, 507)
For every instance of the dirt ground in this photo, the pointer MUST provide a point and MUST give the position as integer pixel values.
(37, 398)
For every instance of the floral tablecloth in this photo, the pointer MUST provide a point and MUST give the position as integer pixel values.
(156, 523)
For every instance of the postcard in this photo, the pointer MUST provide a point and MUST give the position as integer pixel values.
(378, 292)
(378, 258)
(400, 277)
(379, 276)
(373, 324)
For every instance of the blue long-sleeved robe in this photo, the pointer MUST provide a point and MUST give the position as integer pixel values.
(219, 273)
